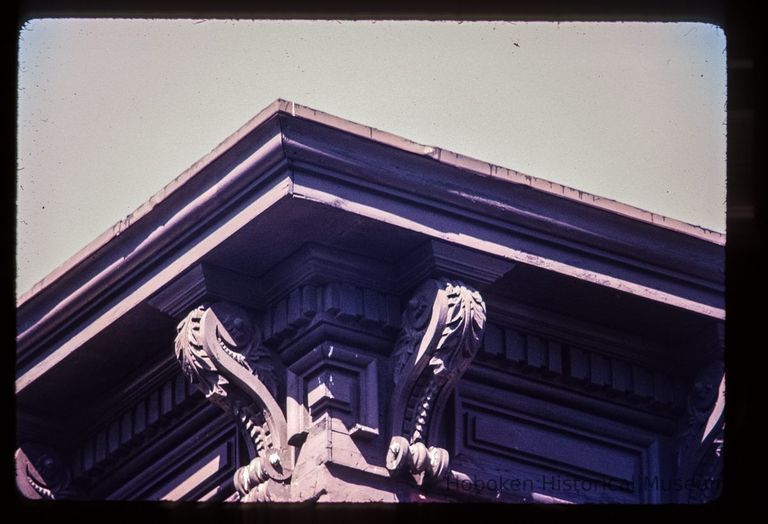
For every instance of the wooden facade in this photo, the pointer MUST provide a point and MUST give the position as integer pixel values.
(320, 311)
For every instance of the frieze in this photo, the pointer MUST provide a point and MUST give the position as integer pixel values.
(342, 301)
(580, 367)
(145, 415)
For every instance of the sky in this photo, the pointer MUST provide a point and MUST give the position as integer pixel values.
(110, 111)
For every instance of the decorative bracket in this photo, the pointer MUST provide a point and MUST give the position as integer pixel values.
(442, 327)
(218, 350)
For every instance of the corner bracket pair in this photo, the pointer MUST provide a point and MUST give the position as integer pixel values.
(219, 351)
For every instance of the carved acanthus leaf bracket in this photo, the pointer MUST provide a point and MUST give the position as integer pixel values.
(219, 352)
(442, 328)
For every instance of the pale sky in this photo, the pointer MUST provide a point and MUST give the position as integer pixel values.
(112, 110)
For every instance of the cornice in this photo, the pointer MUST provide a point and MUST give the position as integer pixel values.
(509, 221)
(479, 168)
(150, 235)
(291, 152)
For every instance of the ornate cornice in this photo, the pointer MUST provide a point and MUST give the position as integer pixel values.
(150, 234)
(443, 324)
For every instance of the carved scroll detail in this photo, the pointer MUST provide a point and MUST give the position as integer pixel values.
(41, 473)
(218, 351)
(443, 324)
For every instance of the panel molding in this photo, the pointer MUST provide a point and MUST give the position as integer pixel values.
(355, 390)
(537, 441)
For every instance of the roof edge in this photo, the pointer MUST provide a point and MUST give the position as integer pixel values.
(438, 154)
(487, 169)
(144, 209)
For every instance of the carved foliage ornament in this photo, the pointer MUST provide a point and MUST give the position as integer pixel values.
(442, 328)
(218, 350)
